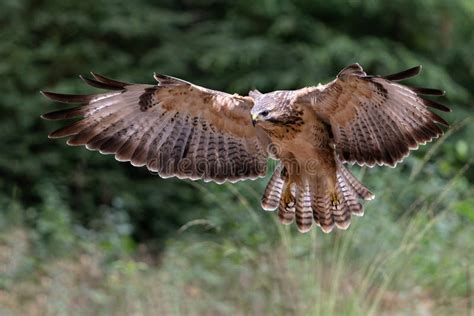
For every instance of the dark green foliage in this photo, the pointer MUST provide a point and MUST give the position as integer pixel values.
(67, 194)
(82, 233)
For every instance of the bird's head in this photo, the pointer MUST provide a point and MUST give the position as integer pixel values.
(273, 110)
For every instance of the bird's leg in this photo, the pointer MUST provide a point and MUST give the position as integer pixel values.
(332, 192)
(334, 198)
(287, 196)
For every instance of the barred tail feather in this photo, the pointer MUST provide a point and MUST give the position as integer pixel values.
(303, 210)
(286, 211)
(328, 207)
(287, 207)
(349, 196)
(324, 213)
(272, 194)
(341, 210)
(361, 191)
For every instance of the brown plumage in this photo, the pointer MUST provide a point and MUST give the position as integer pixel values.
(176, 128)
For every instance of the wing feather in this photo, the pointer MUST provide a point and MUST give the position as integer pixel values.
(174, 128)
(374, 119)
(405, 74)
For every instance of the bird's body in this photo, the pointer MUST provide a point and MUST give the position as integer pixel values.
(310, 164)
(303, 145)
(179, 129)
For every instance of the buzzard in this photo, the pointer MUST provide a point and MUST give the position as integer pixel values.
(177, 128)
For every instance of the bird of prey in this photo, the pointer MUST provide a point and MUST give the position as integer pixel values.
(177, 128)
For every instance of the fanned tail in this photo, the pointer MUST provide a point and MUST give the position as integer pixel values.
(328, 207)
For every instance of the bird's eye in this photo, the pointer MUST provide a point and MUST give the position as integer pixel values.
(264, 113)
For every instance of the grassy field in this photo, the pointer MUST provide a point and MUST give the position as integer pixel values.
(412, 261)
(81, 234)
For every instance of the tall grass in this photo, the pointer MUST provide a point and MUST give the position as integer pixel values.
(406, 256)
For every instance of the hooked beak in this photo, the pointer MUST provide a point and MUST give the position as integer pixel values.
(254, 119)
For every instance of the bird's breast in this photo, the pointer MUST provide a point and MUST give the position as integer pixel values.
(309, 140)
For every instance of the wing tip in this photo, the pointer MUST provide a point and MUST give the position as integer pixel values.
(68, 98)
(108, 81)
(428, 91)
(49, 95)
(438, 119)
(47, 116)
(103, 82)
(405, 74)
(436, 105)
(53, 135)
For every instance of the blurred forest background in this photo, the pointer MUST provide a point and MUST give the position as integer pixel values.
(83, 234)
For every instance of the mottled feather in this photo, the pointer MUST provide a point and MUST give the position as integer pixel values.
(176, 128)
(374, 119)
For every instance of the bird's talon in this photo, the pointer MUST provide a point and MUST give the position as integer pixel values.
(334, 199)
(287, 196)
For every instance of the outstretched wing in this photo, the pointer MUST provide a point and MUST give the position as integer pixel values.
(375, 120)
(174, 128)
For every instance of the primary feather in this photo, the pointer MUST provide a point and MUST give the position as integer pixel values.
(176, 128)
